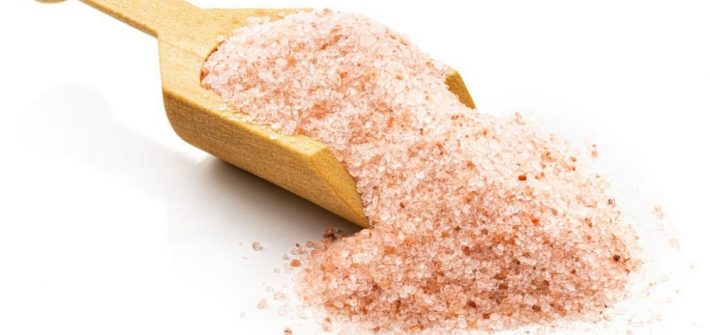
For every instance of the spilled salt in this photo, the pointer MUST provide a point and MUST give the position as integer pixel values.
(477, 221)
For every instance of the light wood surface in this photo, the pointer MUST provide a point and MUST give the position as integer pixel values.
(187, 35)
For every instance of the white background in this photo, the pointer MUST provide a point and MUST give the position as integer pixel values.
(110, 224)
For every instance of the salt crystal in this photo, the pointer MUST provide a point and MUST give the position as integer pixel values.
(261, 304)
(658, 212)
(256, 246)
(283, 310)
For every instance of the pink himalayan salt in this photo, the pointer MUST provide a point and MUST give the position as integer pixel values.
(658, 212)
(256, 246)
(261, 304)
(478, 221)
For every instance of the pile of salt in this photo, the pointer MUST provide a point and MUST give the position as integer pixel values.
(478, 221)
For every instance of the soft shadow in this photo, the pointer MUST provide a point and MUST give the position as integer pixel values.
(211, 206)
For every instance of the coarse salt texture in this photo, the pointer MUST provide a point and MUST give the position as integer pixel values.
(478, 222)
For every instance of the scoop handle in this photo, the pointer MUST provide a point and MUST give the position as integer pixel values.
(150, 16)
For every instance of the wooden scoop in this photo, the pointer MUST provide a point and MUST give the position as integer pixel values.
(187, 35)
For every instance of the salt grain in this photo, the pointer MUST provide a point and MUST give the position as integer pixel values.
(658, 212)
(261, 304)
(283, 310)
(295, 263)
(256, 246)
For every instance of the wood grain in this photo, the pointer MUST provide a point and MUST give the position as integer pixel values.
(187, 35)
